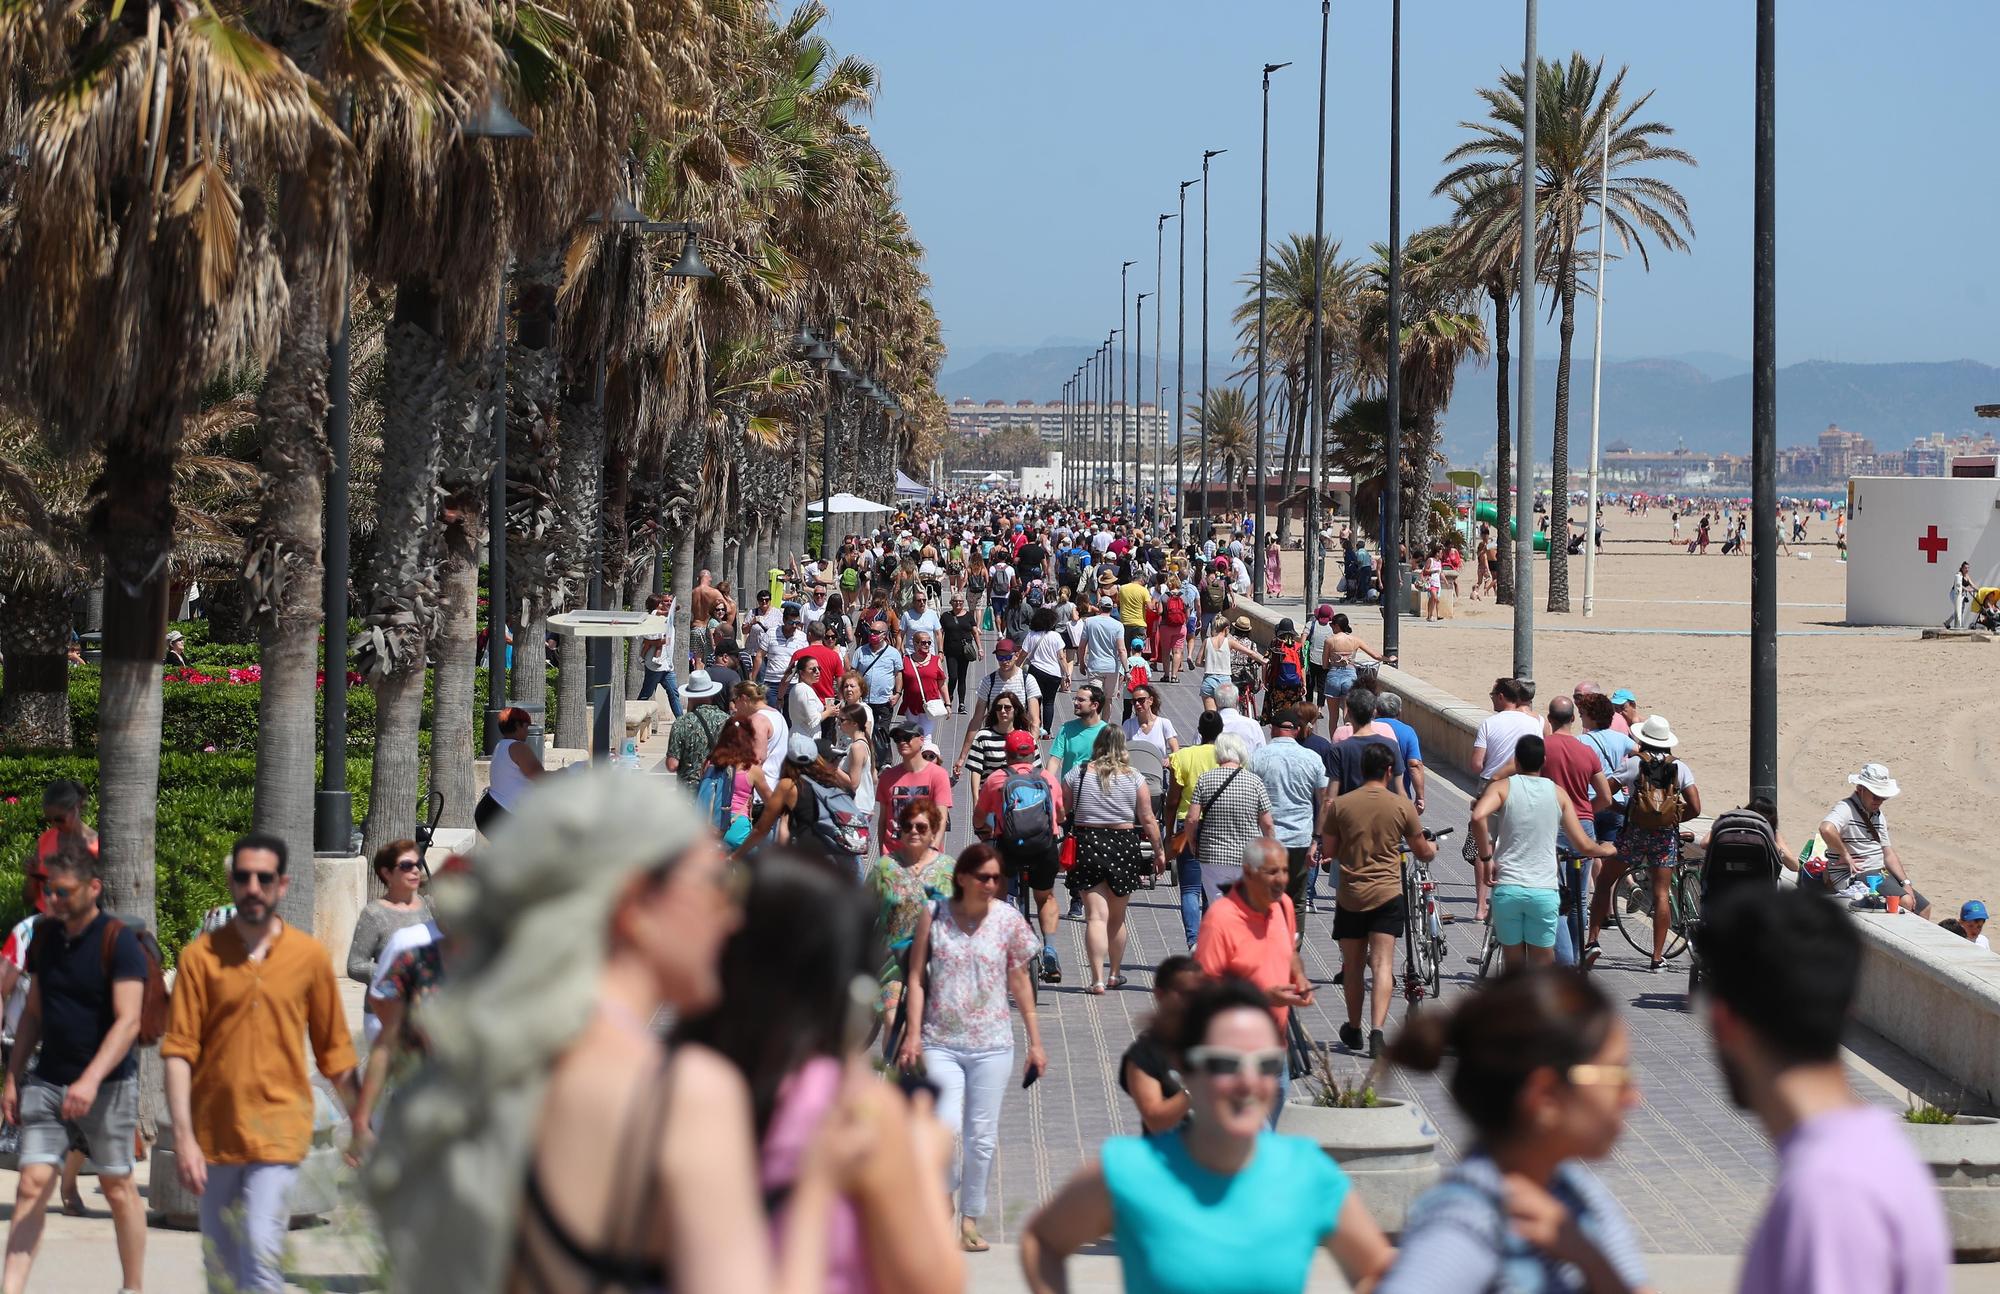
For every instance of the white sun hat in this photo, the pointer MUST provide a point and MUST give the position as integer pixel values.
(1875, 777)
(1656, 732)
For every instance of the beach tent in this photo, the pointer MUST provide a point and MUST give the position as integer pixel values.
(909, 489)
(844, 502)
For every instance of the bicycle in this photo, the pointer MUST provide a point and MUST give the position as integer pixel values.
(1423, 932)
(1630, 899)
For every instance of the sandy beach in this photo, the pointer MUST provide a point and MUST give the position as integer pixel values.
(1674, 628)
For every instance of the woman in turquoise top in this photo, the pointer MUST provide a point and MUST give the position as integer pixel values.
(1221, 1205)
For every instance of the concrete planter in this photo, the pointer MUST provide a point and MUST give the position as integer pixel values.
(1964, 1159)
(314, 1194)
(1388, 1150)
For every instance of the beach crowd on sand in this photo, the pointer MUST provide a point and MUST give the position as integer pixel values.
(743, 1023)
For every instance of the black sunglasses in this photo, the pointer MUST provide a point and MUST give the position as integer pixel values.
(243, 876)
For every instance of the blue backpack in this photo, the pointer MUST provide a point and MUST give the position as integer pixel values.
(716, 790)
(1027, 815)
(827, 816)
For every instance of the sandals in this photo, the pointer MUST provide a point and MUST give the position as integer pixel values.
(1096, 988)
(1115, 982)
(971, 1241)
(72, 1205)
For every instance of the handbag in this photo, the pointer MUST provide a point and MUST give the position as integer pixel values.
(934, 706)
(892, 1041)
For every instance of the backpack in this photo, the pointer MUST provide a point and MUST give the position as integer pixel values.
(717, 788)
(1027, 816)
(1176, 613)
(1656, 803)
(1072, 563)
(828, 817)
(1214, 593)
(1286, 668)
(153, 1003)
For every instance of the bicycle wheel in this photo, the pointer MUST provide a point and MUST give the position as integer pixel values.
(1632, 913)
(1489, 953)
(1686, 907)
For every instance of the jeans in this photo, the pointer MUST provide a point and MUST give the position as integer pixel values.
(244, 1215)
(656, 679)
(971, 1085)
(885, 714)
(1573, 881)
(1192, 902)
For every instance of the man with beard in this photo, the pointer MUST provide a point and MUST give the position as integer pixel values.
(246, 998)
(1854, 1210)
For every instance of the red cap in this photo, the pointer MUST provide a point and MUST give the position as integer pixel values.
(1020, 742)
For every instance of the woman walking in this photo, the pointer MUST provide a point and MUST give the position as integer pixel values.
(1661, 795)
(989, 744)
(962, 646)
(1543, 1073)
(1111, 814)
(399, 866)
(1220, 1202)
(735, 756)
(969, 955)
(905, 881)
(923, 683)
(1341, 649)
(1274, 579)
(1047, 662)
(1230, 808)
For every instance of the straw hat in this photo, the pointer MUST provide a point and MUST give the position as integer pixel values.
(1656, 732)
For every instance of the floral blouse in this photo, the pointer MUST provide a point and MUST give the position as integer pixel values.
(903, 892)
(965, 1001)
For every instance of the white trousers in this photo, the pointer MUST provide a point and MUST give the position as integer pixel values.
(971, 1086)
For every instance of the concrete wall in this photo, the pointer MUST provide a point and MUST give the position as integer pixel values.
(1934, 995)
(340, 891)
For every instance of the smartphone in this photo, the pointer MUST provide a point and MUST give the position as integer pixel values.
(1030, 1075)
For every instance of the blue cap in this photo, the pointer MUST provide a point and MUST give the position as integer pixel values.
(1622, 696)
(1973, 910)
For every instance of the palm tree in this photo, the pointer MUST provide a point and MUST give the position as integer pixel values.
(1225, 427)
(1573, 111)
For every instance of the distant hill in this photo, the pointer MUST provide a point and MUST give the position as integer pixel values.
(1699, 399)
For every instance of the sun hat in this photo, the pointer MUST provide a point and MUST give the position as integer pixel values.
(1973, 910)
(1657, 732)
(1623, 696)
(699, 685)
(1243, 623)
(1286, 626)
(1875, 777)
(930, 749)
(1020, 742)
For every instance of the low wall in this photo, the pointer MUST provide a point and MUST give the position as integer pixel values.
(1924, 989)
(340, 891)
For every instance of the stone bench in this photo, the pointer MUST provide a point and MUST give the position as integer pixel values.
(640, 718)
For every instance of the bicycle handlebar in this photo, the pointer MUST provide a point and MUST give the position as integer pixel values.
(1438, 835)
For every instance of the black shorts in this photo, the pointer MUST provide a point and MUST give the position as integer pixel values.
(1040, 866)
(1385, 920)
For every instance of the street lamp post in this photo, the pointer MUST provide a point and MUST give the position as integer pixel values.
(1203, 414)
(1263, 246)
(1111, 451)
(1316, 560)
(1524, 444)
(1139, 426)
(1764, 420)
(1087, 431)
(1180, 366)
(1124, 407)
(1392, 539)
(1159, 414)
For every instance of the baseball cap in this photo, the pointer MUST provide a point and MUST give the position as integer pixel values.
(1286, 718)
(1005, 647)
(802, 749)
(905, 728)
(1138, 640)
(1973, 910)
(1020, 742)
(1623, 696)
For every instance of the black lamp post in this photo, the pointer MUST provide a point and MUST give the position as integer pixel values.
(1524, 440)
(1392, 541)
(1180, 366)
(1139, 429)
(1213, 152)
(1108, 492)
(1124, 336)
(1315, 562)
(1763, 419)
(1263, 249)
(819, 353)
(1159, 414)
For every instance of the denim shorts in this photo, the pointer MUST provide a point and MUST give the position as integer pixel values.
(1340, 681)
(1210, 683)
(1524, 916)
(106, 1130)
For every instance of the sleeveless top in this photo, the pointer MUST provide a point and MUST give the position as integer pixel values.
(1525, 852)
(1218, 658)
(508, 783)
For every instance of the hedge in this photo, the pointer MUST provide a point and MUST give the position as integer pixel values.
(205, 803)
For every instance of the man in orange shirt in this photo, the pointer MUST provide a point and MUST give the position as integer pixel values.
(237, 1086)
(1252, 934)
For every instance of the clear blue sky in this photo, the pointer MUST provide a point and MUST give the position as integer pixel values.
(1037, 141)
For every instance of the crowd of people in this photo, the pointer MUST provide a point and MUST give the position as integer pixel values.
(752, 1025)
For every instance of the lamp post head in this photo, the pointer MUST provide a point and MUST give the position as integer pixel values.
(1165, 217)
(494, 121)
(1274, 67)
(1213, 152)
(690, 266)
(1188, 184)
(619, 211)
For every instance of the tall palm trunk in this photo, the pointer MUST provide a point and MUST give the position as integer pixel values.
(34, 698)
(401, 590)
(1503, 479)
(464, 479)
(579, 483)
(283, 578)
(1559, 454)
(533, 460)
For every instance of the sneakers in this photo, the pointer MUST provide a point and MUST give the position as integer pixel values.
(1051, 968)
(1076, 909)
(1350, 1037)
(1659, 964)
(1375, 1044)
(1591, 952)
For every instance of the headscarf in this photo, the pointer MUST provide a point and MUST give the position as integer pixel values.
(529, 930)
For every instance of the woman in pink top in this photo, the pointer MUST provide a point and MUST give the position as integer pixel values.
(795, 981)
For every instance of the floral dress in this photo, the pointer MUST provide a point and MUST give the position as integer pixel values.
(965, 1000)
(904, 892)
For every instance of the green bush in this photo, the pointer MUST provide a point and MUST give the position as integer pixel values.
(197, 715)
(205, 803)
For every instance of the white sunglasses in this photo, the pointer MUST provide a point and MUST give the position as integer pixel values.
(1223, 1062)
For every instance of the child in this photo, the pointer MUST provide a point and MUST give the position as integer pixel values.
(1136, 673)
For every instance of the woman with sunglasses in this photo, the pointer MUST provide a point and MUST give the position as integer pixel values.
(923, 682)
(1221, 1201)
(969, 954)
(399, 867)
(805, 709)
(961, 648)
(1543, 1074)
(988, 749)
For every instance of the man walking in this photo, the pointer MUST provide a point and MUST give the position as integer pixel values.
(1365, 830)
(693, 734)
(89, 978)
(1018, 811)
(1296, 780)
(1252, 933)
(1570, 764)
(1104, 647)
(1854, 1211)
(246, 999)
(658, 654)
(880, 664)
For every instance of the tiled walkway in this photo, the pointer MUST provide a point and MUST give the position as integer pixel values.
(1691, 1169)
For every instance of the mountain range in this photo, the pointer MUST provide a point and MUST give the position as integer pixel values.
(1698, 399)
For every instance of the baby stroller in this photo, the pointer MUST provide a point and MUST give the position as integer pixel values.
(1742, 850)
(1986, 609)
(1146, 762)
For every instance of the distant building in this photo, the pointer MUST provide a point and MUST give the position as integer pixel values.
(982, 418)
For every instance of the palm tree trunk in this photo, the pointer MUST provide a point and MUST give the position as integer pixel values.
(283, 576)
(464, 476)
(1503, 479)
(1559, 454)
(533, 461)
(579, 485)
(401, 594)
(34, 698)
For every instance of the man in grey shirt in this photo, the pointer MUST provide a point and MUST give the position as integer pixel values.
(1296, 780)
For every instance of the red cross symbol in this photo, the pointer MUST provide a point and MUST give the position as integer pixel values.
(1932, 544)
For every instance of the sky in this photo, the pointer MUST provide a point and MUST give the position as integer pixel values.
(1036, 142)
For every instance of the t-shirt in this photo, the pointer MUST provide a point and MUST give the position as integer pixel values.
(1182, 1229)
(1407, 742)
(804, 708)
(1044, 652)
(1257, 946)
(998, 684)
(1186, 766)
(76, 995)
(986, 808)
(1572, 765)
(897, 786)
(691, 738)
(1847, 819)
(830, 667)
(1162, 733)
(1133, 599)
(927, 622)
(1098, 805)
(1241, 725)
(1293, 776)
(1610, 746)
(15, 950)
(1233, 804)
(1347, 761)
(1075, 741)
(1103, 644)
(1854, 1212)
(1499, 733)
(1372, 824)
